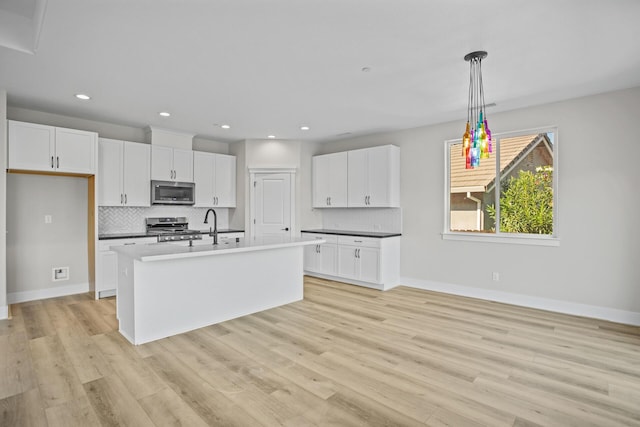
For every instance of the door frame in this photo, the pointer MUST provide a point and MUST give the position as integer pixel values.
(252, 190)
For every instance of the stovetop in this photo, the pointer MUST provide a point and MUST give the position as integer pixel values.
(169, 229)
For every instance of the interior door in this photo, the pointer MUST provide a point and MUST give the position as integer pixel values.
(272, 201)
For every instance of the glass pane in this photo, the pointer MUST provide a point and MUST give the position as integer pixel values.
(526, 184)
(471, 192)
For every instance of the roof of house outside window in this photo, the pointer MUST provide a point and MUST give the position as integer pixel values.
(480, 179)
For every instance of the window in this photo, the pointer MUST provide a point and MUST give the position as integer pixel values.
(510, 197)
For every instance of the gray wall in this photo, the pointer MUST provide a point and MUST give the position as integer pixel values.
(35, 248)
(597, 260)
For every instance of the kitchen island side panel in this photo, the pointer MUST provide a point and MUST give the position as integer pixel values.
(178, 295)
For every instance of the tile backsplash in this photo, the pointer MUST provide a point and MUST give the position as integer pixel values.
(131, 220)
(387, 220)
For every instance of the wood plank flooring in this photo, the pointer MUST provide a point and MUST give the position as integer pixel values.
(344, 356)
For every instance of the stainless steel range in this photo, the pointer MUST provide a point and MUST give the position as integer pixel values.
(171, 229)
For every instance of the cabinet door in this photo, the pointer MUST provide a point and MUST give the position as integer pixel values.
(330, 180)
(347, 262)
(320, 181)
(107, 271)
(110, 172)
(328, 259)
(338, 180)
(204, 178)
(379, 174)
(75, 151)
(369, 264)
(225, 181)
(136, 174)
(161, 163)
(310, 261)
(183, 165)
(358, 188)
(31, 146)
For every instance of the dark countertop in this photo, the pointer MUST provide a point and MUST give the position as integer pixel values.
(377, 234)
(132, 235)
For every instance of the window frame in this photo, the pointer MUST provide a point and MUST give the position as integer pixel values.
(499, 236)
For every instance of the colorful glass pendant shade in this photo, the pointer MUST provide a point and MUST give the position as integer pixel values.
(476, 141)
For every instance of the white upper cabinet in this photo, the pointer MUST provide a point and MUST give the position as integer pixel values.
(124, 173)
(215, 179)
(225, 180)
(171, 164)
(50, 149)
(110, 172)
(330, 180)
(374, 177)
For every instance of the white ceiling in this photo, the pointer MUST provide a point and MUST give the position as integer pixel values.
(268, 67)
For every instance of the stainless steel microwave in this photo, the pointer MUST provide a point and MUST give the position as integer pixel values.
(172, 193)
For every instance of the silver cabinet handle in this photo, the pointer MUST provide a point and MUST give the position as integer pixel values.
(216, 200)
(57, 162)
(51, 162)
(121, 199)
(125, 199)
(358, 241)
(329, 200)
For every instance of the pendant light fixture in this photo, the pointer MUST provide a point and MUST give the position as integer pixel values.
(476, 141)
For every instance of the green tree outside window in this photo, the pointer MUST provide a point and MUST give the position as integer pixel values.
(526, 203)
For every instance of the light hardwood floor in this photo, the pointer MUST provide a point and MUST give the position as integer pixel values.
(344, 356)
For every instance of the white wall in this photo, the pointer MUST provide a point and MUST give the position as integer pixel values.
(35, 248)
(105, 130)
(3, 203)
(237, 216)
(596, 263)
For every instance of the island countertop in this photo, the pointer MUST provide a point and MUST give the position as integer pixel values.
(164, 251)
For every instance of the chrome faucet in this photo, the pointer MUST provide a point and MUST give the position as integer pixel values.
(213, 233)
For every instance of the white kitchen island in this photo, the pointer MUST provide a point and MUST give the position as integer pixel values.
(166, 289)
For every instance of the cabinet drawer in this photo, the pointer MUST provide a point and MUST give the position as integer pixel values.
(105, 245)
(368, 242)
(330, 238)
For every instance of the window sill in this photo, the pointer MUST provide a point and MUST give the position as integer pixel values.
(533, 240)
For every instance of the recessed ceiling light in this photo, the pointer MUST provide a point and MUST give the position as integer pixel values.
(271, 136)
(164, 114)
(304, 128)
(225, 126)
(83, 96)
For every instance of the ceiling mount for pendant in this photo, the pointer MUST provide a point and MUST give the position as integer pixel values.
(478, 54)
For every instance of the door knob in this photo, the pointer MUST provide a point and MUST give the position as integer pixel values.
(286, 229)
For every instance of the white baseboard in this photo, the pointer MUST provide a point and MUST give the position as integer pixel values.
(4, 312)
(58, 291)
(559, 306)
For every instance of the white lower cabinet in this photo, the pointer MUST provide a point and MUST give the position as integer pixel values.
(321, 258)
(223, 239)
(365, 261)
(107, 264)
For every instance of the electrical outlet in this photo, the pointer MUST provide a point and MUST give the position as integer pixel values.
(48, 219)
(60, 273)
(496, 276)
